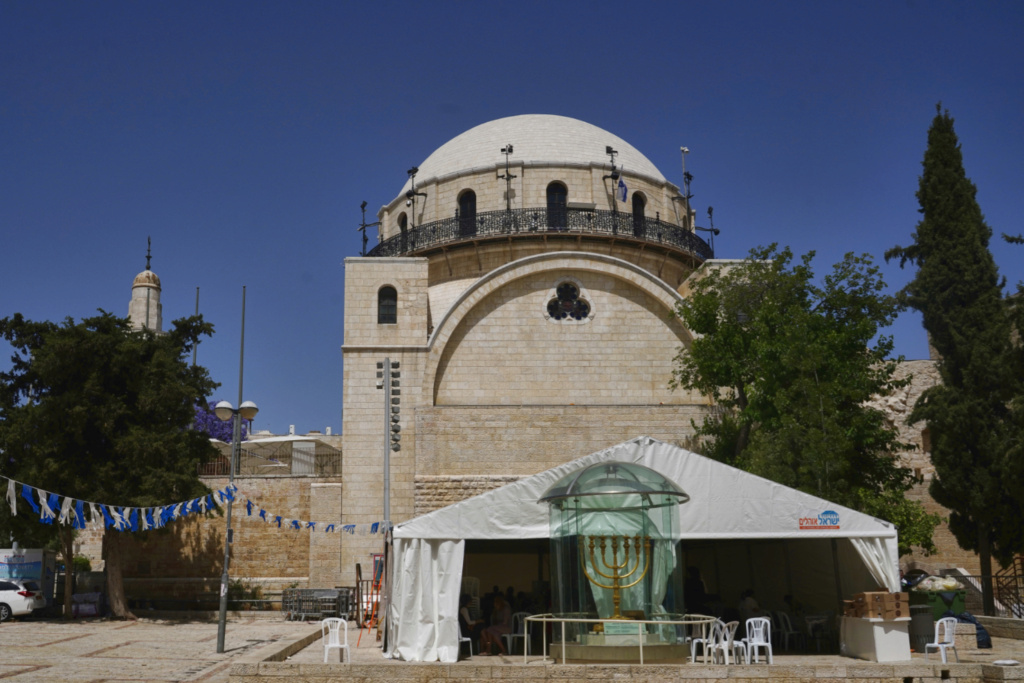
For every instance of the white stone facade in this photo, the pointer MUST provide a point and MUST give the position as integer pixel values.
(493, 388)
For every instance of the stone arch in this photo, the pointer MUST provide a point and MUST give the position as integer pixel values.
(554, 263)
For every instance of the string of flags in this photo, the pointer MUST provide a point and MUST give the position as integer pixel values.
(64, 510)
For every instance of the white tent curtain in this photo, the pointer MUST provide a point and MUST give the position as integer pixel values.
(878, 555)
(426, 577)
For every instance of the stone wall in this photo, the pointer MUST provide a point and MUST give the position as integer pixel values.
(183, 561)
(523, 440)
(852, 670)
(508, 351)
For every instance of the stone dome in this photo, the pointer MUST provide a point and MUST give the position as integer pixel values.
(537, 139)
(146, 278)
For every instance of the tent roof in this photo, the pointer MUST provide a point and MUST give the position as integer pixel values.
(724, 503)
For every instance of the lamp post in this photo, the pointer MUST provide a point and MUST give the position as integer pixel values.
(225, 411)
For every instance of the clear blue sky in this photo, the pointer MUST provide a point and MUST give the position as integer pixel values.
(243, 136)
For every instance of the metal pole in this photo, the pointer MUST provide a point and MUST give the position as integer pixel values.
(235, 447)
(686, 191)
(387, 443)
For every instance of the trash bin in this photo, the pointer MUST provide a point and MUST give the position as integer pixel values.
(940, 601)
(922, 627)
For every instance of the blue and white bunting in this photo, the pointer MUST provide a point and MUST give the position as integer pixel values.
(64, 510)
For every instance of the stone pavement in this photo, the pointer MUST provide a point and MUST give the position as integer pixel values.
(165, 651)
(100, 650)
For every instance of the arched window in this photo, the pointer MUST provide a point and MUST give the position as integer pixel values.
(387, 306)
(403, 230)
(467, 213)
(558, 196)
(639, 223)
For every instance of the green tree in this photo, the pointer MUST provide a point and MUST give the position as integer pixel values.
(99, 412)
(792, 371)
(974, 414)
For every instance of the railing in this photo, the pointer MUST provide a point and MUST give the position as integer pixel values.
(1007, 592)
(529, 222)
(324, 461)
(688, 621)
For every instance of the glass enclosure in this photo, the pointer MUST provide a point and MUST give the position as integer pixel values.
(613, 553)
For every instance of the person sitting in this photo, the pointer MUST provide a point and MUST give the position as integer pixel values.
(470, 627)
(748, 607)
(501, 623)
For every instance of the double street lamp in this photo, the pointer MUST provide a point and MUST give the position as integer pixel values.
(225, 411)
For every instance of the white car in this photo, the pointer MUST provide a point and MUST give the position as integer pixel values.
(19, 597)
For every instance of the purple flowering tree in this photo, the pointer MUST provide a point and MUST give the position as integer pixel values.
(207, 421)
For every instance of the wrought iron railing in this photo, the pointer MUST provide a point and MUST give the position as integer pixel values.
(528, 222)
(323, 461)
(1007, 592)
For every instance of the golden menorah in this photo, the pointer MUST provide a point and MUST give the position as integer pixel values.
(618, 569)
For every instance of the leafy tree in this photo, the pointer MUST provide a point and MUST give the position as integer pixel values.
(790, 366)
(974, 414)
(98, 412)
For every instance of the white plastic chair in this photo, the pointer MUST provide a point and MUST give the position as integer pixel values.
(708, 644)
(466, 639)
(694, 640)
(518, 631)
(726, 643)
(945, 638)
(759, 635)
(736, 645)
(786, 630)
(334, 634)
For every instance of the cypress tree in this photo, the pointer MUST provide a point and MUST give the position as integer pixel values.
(958, 291)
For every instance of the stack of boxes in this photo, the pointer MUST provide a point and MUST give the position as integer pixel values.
(877, 605)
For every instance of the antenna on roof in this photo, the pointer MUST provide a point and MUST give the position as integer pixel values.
(363, 226)
(412, 194)
(507, 177)
(149, 244)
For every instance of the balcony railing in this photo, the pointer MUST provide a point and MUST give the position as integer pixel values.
(531, 222)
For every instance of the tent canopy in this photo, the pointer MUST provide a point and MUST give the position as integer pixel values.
(725, 504)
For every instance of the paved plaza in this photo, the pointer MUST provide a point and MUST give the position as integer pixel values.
(100, 650)
(106, 651)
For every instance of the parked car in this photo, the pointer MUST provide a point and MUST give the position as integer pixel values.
(19, 597)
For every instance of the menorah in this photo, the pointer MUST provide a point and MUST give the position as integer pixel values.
(615, 567)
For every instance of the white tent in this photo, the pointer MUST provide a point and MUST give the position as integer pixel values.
(725, 504)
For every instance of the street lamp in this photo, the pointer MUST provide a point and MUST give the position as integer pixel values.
(225, 411)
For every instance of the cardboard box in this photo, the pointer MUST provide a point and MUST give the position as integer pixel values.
(878, 598)
(886, 613)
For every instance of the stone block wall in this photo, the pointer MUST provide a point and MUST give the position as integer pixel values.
(364, 277)
(461, 441)
(184, 560)
(508, 351)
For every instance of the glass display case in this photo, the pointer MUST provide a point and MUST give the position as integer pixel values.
(613, 552)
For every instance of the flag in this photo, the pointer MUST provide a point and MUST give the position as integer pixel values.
(622, 190)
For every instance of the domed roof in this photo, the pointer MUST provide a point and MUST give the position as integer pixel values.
(536, 138)
(619, 485)
(146, 278)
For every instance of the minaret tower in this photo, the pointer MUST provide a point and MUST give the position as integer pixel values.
(144, 309)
